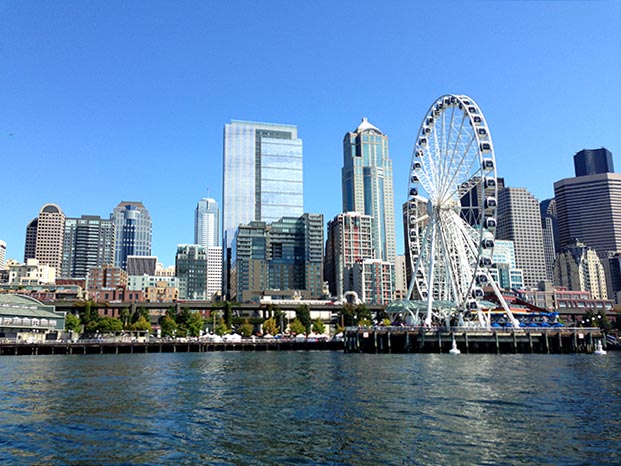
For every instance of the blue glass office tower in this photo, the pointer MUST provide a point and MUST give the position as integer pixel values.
(262, 178)
(132, 224)
(207, 223)
(367, 184)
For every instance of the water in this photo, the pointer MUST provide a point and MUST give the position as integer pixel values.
(310, 408)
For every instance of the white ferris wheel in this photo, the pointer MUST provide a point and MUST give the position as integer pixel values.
(451, 212)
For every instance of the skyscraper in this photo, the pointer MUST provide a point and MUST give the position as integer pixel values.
(30, 246)
(262, 176)
(88, 242)
(549, 228)
(132, 224)
(50, 234)
(207, 223)
(2, 254)
(191, 267)
(261, 180)
(367, 184)
(519, 220)
(588, 207)
(593, 162)
(579, 269)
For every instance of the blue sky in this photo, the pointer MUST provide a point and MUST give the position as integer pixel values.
(104, 101)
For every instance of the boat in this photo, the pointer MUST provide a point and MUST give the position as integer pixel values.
(599, 350)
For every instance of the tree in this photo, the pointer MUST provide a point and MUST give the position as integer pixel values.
(348, 315)
(318, 326)
(246, 328)
(124, 316)
(297, 327)
(221, 327)
(72, 323)
(168, 326)
(195, 324)
(302, 314)
(109, 325)
(270, 326)
(363, 315)
(141, 325)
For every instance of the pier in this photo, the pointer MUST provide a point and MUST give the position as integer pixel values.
(103, 347)
(558, 340)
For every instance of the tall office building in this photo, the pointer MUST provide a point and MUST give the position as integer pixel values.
(262, 176)
(350, 239)
(519, 220)
(50, 235)
(141, 265)
(132, 224)
(579, 269)
(214, 271)
(588, 207)
(504, 271)
(285, 257)
(367, 184)
(549, 229)
(593, 162)
(191, 267)
(88, 242)
(2, 254)
(207, 223)
(30, 246)
(261, 180)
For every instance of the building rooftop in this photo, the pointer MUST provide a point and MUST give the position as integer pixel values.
(366, 127)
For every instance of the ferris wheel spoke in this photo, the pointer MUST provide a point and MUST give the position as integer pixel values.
(454, 178)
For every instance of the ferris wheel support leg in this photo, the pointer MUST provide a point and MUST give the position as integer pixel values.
(514, 322)
(430, 278)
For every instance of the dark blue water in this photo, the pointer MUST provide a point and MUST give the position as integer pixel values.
(310, 408)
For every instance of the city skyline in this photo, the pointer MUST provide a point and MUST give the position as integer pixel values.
(95, 94)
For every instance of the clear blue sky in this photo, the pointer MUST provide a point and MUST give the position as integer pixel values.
(103, 101)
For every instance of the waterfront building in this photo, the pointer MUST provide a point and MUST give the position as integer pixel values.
(350, 238)
(519, 220)
(191, 269)
(570, 303)
(50, 235)
(367, 184)
(286, 255)
(374, 281)
(25, 319)
(2, 254)
(549, 228)
(504, 271)
(589, 208)
(593, 162)
(262, 178)
(31, 273)
(132, 231)
(578, 268)
(30, 246)
(141, 265)
(207, 223)
(88, 242)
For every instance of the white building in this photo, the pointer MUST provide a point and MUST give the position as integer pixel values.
(401, 280)
(207, 223)
(31, 273)
(374, 281)
(214, 271)
(579, 268)
(142, 282)
(2, 254)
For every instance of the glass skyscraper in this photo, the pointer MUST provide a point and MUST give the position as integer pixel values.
(262, 175)
(367, 184)
(132, 224)
(207, 223)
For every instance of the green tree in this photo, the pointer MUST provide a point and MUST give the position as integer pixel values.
(363, 315)
(109, 325)
(270, 326)
(599, 319)
(168, 326)
(221, 327)
(72, 323)
(141, 324)
(348, 315)
(302, 314)
(194, 324)
(246, 328)
(124, 316)
(318, 326)
(297, 327)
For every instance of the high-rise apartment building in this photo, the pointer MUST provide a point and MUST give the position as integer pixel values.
(141, 265)
(579, 269)
(207, 223)
(50, 235)
(214, 271)
(367, 184)
(284, 256)
(588, 208)
(350, 239)
(88, 242)
(374, 281)
(191, 269)
(593, 162)
(519, 220)
(132, 231)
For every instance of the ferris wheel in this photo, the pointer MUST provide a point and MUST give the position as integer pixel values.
(451, 211)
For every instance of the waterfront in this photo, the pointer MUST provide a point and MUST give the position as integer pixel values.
(310, 408)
